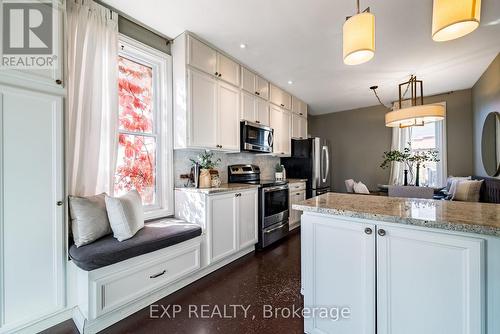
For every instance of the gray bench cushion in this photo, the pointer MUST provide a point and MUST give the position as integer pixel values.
(154, 236)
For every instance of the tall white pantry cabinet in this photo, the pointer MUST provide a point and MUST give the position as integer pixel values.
(32, 205)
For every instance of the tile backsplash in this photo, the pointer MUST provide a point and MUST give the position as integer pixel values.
(182, 165)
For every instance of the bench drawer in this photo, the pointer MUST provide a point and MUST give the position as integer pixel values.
(119, 288)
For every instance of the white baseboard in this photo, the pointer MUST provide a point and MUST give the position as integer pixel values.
(40, 324)
(90, 327)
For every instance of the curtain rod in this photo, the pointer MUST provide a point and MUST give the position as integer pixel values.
(131, 19)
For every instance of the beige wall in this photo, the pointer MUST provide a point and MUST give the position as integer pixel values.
(359, 137)
(485, 99)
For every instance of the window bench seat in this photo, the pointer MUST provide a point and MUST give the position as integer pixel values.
(154, 236)
(112, 279)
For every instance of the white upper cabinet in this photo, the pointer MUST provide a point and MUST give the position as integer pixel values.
(208, 60)
(248, 80)
(254, 84)
(299, 126)
(280, 120)
(228, 70)
(201, 56)
(262, 87)
(299, 107)
(202, 104)
(254, 109)
(262, 111)
(280, 98)
(228, 130)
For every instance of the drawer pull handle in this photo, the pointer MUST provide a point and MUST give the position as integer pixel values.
(158, 275)
(297, 194)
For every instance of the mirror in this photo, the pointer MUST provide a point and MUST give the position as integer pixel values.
(490, 144)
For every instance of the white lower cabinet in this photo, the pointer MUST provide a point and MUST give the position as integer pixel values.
(229, 221)
(32, 254)
(222, 228)
(413, 281)
(297, 194)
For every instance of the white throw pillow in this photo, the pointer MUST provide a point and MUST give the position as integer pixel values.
(467, 190)
(126, 215)
(89, 220)
(451, 183)
(360, 188)
(349, 185)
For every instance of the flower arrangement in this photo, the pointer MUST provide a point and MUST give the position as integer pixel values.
(206, 160)
(410, 160)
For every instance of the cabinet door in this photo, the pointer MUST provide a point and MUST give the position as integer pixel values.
(276, 95)
(296, 122)
(228, 116)
(31, 219)
(262, 87)
(275, 122)
(303, 109)
(286, 133)
(202, 107)
(201, 56)
(303, 127)
(262, 111)
(296, 105)
(429, 282)
(248, 107)
(296, 197)
(223, 228)
(228, 70)
(247, 219)
(347, 279)
(248, 80)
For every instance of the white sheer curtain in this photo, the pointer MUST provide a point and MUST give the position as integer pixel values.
(400, 139)
(92, 97)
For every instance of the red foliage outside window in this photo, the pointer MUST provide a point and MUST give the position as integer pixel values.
(137, 146)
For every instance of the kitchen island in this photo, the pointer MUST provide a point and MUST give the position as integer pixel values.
(401, 265)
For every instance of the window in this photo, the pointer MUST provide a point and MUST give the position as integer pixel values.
(144, 160)
(431, 136)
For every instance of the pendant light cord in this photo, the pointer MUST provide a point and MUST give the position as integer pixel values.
(357, 6)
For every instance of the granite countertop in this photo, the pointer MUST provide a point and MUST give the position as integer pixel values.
(482, 218)
(296, 180)
(225, 187)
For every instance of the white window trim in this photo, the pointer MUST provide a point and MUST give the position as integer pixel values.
(442, 144)
(161, 63)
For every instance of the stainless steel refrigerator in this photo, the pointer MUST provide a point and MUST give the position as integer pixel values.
(310, 160)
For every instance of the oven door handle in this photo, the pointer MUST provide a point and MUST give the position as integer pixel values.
(266, 190)
(276, 228)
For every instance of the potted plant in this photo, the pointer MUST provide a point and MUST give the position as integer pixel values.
(207, 162)
(278, 169)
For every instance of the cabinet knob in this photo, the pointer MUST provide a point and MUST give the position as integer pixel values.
(297, 194)
(216, 74)
(381, 232)
(59, 203)
(282, 105)
(258, 122)
(257, 93)
(301, 114)
(220, 74)
(368, 230)
(59, 81)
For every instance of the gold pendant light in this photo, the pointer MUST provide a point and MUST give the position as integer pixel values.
(359, 37)
(417, 114)
(453, 19)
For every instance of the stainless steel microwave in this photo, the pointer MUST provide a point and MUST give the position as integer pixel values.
(256, 137)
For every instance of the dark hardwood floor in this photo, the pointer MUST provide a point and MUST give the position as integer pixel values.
(270, 277)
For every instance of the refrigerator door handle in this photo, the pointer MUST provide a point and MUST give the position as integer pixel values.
(327, 156)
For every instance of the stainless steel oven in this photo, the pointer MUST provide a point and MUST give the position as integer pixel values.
(274, 214)
(256, 137)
